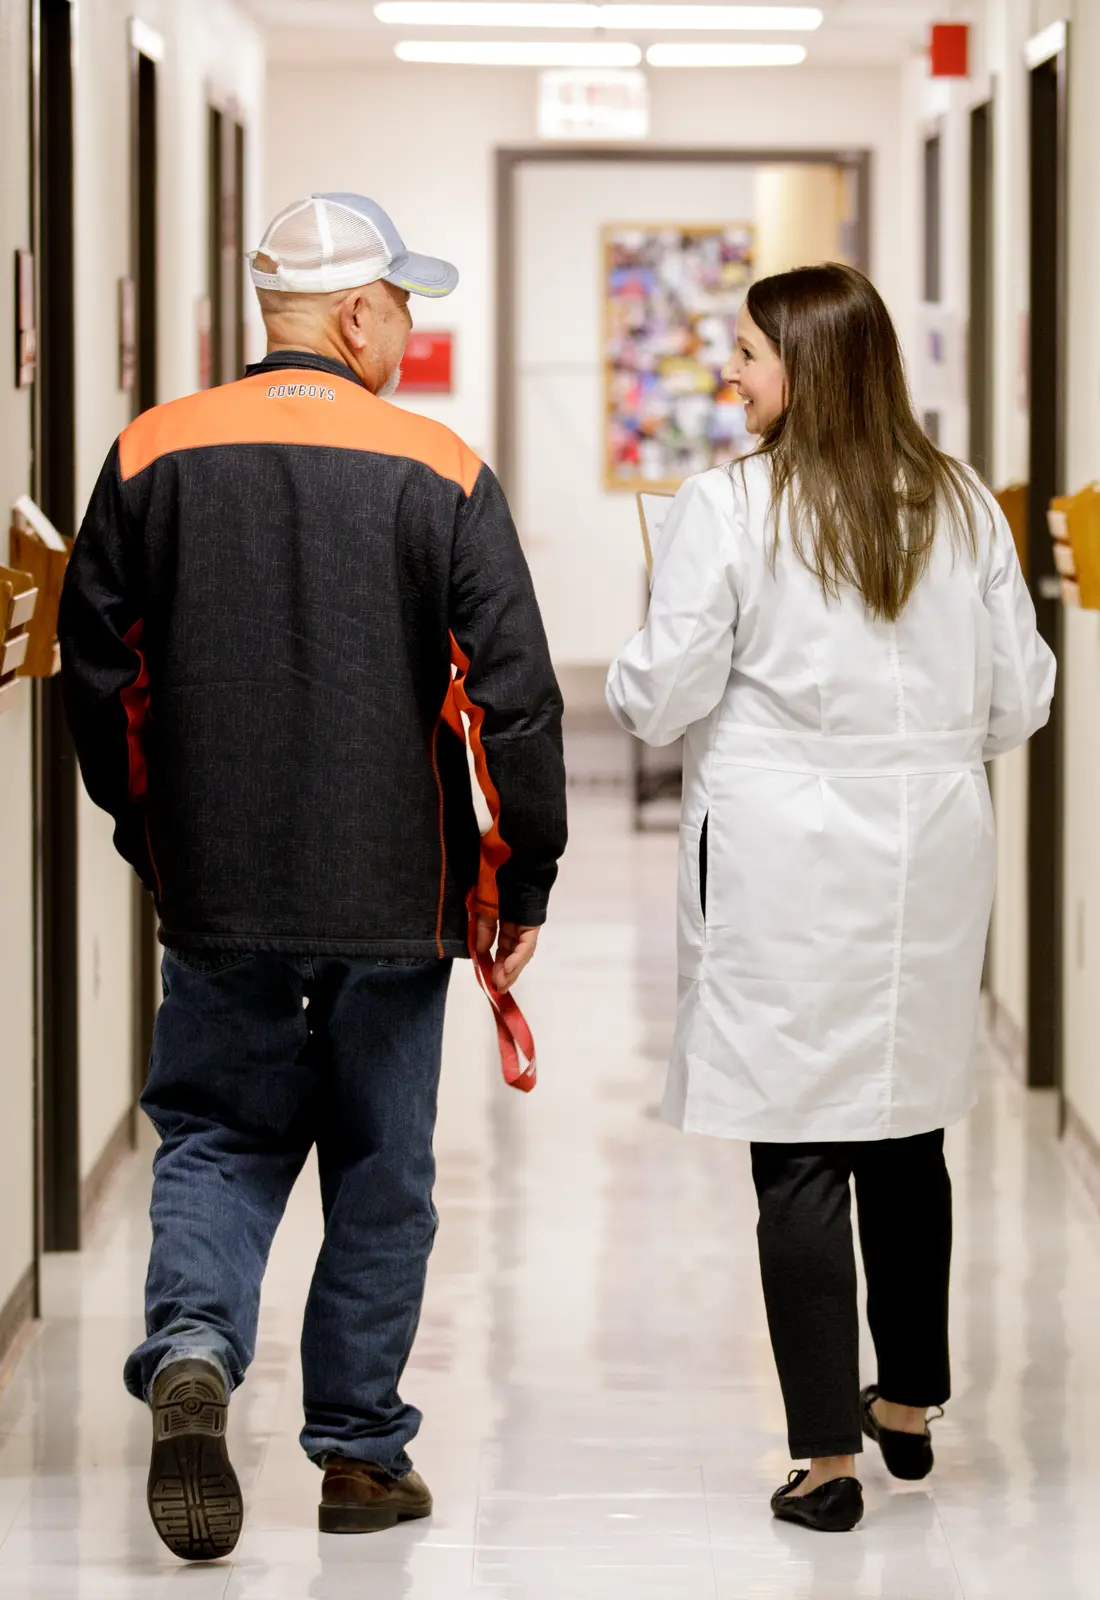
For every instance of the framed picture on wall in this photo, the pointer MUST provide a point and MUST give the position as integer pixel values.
(672, 292)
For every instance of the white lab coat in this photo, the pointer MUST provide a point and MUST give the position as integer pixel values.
(831, 989)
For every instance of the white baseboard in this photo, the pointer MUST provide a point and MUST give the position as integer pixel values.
(1007, 1036)
(1082, 1149)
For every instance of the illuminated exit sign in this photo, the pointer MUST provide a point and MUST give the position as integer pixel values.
(593, 105)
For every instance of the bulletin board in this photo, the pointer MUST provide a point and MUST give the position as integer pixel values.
(672, 292)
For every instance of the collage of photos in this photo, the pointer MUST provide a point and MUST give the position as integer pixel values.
(672, 296)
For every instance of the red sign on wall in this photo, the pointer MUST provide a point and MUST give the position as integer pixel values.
(950, 50)
(428, 367)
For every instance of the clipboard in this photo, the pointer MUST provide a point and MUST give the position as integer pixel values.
(653, 508)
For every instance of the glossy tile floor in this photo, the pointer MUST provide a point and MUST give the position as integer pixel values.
(603, 1418)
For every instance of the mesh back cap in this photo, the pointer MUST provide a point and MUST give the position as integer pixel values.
(343, 241)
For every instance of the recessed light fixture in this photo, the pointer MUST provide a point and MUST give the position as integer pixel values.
(579, 15)
(516, 53)
(725, 55)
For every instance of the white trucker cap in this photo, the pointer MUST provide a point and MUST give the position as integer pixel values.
(343, 241)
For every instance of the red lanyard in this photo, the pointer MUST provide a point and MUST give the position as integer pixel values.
(517, 1045)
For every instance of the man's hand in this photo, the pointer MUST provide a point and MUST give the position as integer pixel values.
(515, 948)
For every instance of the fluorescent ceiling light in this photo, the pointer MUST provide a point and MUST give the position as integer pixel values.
(567, 14)
(725, 55)
(716, 19)
(514, 53)
(486, 14)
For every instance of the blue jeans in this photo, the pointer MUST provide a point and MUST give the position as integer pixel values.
(256, 1059)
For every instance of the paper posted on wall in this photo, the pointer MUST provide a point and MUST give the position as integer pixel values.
(653, 508)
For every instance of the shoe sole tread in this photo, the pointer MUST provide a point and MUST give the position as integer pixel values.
(194, 1497)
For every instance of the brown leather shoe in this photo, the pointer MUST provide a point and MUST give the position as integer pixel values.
(358, 1497)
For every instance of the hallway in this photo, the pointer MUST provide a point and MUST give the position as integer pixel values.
(602, 1417)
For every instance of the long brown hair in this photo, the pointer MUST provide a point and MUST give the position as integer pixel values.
(866, 488)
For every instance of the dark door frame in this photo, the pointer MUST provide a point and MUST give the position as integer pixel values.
(144, 167)
(980, 319)
(215, 189)
(144, 156)
(57, 1088)
(508, 164)
(226, 137)
(980, 333)
(1046, 478)
(239, 135)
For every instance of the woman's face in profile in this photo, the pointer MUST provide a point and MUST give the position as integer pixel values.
(756, 372)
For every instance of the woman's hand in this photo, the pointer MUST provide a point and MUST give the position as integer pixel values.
(515, 948)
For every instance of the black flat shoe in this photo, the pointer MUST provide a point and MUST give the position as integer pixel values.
(907, 1455)
(837, 1507)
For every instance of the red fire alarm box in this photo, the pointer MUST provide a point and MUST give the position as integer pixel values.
(428, 367)
(950, 50)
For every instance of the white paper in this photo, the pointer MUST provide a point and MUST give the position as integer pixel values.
(39, 523)
(653, 510)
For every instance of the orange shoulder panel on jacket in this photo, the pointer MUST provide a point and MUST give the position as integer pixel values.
(295, 406)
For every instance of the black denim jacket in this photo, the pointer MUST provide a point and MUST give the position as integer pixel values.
(260, 629)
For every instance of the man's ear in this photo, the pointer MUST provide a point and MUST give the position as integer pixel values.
(354, 319)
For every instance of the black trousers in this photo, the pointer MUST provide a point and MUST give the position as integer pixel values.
(807, 1263)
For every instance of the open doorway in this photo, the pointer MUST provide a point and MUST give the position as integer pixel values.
(226, 157)
(1046, 474)
(56, 776)
(144, 256)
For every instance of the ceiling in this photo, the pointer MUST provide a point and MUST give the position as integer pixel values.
(855, 32)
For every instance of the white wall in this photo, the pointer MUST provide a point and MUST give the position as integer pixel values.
(421, 141)
(16, 828)
(210, 47)
(583, 540)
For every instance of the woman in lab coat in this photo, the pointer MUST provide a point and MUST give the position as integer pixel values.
(840, 629)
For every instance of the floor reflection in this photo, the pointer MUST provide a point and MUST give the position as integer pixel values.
(602, 1415)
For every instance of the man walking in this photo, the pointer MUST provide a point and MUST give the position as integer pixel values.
(285, 595)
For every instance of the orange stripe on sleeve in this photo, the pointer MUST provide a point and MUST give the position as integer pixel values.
(514, 1037)
(494, 851)
(296, 407)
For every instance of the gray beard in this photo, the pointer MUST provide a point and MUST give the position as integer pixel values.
(391, 385)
